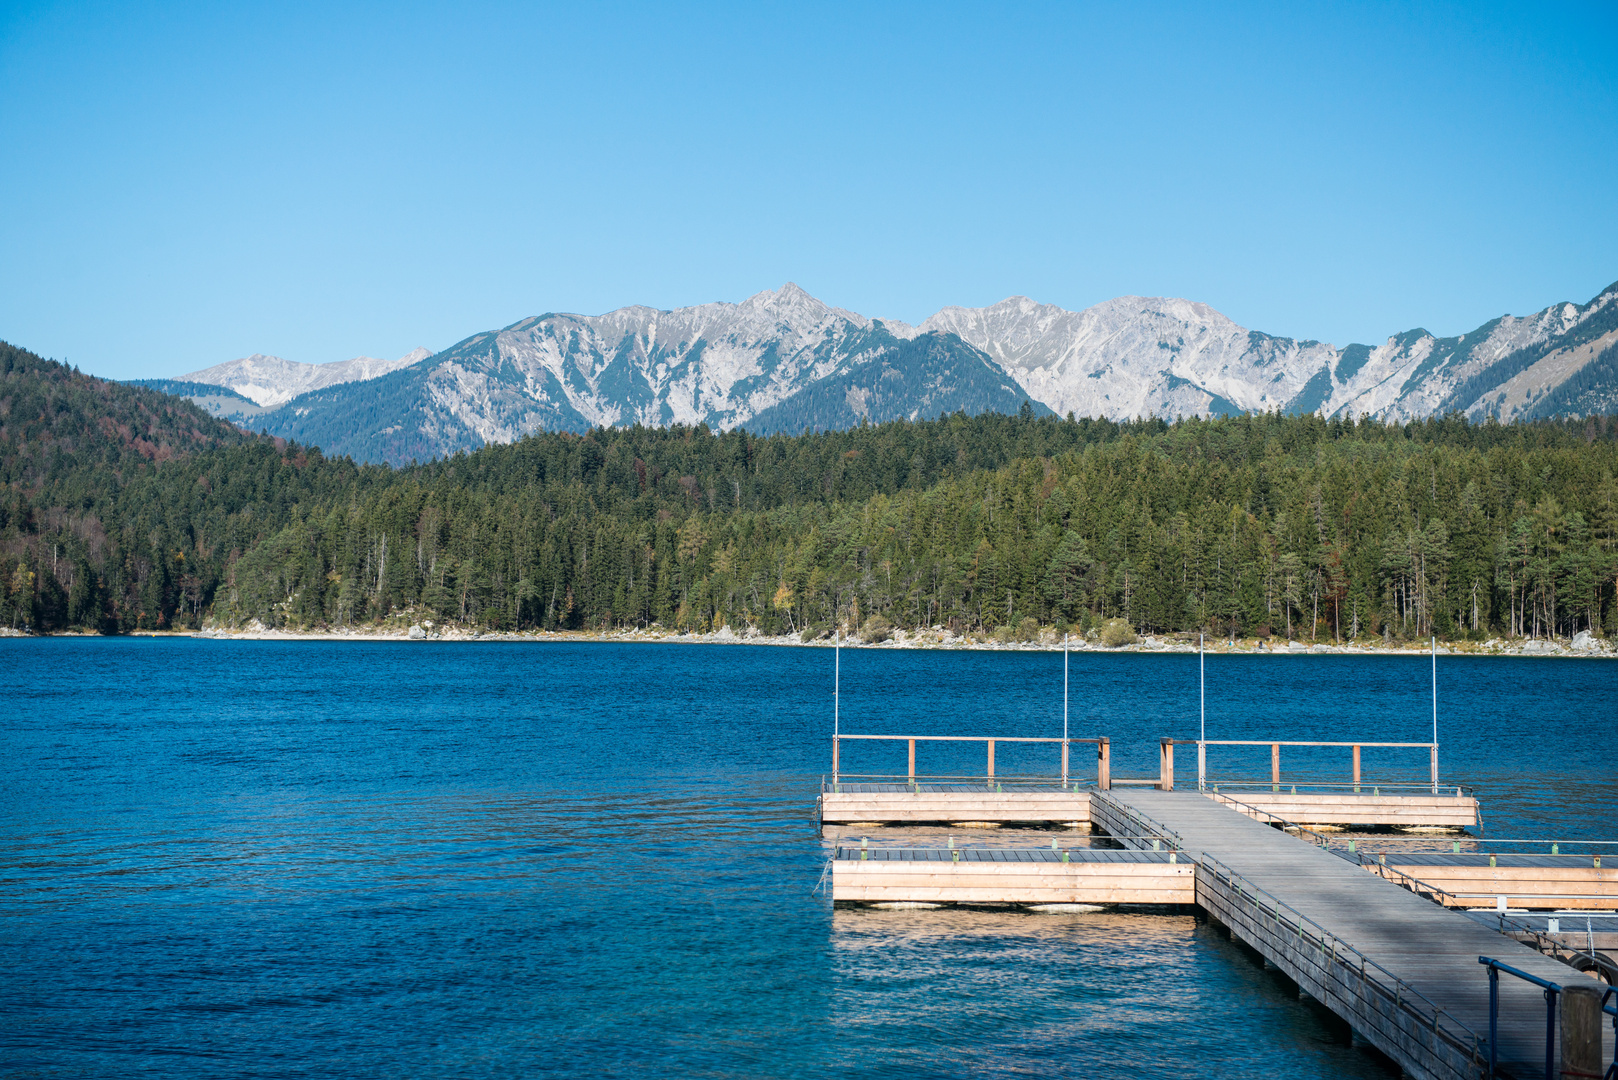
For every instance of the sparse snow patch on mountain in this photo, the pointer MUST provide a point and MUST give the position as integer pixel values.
(270, 380)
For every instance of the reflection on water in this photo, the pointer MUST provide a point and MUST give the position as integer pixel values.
(379, 860)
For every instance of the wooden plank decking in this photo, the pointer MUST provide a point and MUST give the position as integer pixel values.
(1549, 882)
(1315, 916)
(1365, 808)
(1002, 875)
(933, 802)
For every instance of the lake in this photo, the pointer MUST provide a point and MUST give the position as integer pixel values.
(316, 859)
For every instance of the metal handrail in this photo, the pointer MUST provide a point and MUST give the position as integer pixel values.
(1401, 992)
(1418, 883)
(865, 851)
(1545, 943)
(1460, 790)
(1552, 990)
(1254, 811)
(1151, 828)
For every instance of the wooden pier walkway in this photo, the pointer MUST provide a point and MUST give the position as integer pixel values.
(1401, 970)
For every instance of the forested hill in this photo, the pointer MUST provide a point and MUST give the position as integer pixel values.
(1258, 523)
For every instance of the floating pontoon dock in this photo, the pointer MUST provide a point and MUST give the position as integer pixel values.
(1023, 876)
(1358, 930)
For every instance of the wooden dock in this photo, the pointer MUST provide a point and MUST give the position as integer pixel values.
(1020, 876)
(1345, 809)
(929, 800)
(1363, 936)
(1503, 882)
(946, 803)
(1402, 971)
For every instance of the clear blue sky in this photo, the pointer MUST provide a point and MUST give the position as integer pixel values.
(183, 185)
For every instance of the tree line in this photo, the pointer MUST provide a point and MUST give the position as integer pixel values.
(125, 509)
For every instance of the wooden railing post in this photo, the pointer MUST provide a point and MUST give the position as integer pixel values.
(991, 758)
(1064, 762)
(1104, 765)
(1356, 770)
(912, 760)
(1275, 766)
(1165, 765)
(1435, 768)
(834, 759)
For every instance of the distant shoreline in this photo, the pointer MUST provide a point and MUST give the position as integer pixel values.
(914, 640)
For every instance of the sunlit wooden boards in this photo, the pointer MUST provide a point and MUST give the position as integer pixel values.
(909, 807)
(1524, 881)
(1011, 876)
(1317, 808)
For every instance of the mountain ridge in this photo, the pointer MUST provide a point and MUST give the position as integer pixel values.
(783, 358)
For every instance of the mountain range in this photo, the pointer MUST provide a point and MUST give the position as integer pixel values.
(783, 361)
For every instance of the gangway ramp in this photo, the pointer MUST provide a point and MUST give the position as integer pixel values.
(1402, 971)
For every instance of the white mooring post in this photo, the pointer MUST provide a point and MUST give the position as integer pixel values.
(1202, 705)
(1435, 714)
(1064, 710)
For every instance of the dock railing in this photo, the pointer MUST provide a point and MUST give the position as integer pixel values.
(1101, 743)
(1338, 961)
(1335, 960)
(1584, 1035)
(1166, 759)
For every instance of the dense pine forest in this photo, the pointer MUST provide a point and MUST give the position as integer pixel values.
(123, 508)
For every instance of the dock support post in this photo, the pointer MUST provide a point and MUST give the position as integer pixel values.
(1275, 766)
(834, 742)
(1356, 770)
(991, 758)
(1435, 768)
(1104, 765)
(1165, 765)
(912, 761)
(1581, 1030)
(1064, 761)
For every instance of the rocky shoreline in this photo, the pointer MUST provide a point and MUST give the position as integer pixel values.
(1582, 645)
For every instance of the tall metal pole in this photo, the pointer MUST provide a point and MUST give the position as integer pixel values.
(1202, 704)
(1064, 708)
(836, 700)
(1435, 714)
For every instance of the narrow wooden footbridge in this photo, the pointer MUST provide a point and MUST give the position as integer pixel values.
(1402, 971)
(1395, 956)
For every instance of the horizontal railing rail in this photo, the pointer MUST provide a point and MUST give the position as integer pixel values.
(962, 780)
(1320, 839)
(1371, 787)
(1101, 743)
(1275, 756)
(1147, 827)
(866, 852)
(1479, 845)
(1411, 881)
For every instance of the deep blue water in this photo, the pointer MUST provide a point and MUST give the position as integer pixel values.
(289, 859)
